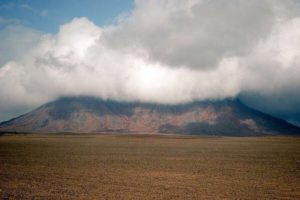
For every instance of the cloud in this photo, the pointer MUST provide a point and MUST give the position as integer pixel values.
(26, 7)
(272, 71)
(8, 21)
(163, 51)
(195, 34)
(44, 13)
(60, 64)
(16, 40)
(10, 5)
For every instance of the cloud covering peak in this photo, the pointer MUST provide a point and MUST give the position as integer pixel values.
(163, 51)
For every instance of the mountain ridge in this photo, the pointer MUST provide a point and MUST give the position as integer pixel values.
(86, 114)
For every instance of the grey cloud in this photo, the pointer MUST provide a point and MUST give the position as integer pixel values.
(196, 34)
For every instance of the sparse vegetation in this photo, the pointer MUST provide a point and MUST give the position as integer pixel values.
(149, 167)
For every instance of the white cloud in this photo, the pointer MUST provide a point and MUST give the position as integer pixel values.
(164, 51)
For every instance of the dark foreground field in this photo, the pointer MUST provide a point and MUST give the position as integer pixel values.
(152, 167)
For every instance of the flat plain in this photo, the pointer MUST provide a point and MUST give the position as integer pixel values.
(149, 167)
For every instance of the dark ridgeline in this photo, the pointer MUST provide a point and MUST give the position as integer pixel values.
(93, 115)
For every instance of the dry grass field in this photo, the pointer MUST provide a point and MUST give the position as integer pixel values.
(149, 167)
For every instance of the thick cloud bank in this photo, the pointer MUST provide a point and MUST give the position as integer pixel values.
(165, 51)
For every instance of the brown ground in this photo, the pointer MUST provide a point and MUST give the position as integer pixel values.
(149, 167)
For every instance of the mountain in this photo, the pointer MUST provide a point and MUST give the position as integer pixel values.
(93, 115)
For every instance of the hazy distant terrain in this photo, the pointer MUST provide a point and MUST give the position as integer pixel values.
(149, 167)
(93, 115)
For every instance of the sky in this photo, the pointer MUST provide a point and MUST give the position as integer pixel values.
(47, 16)
(162, 51)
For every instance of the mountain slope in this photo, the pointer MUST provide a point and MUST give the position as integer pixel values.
(92, 115)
